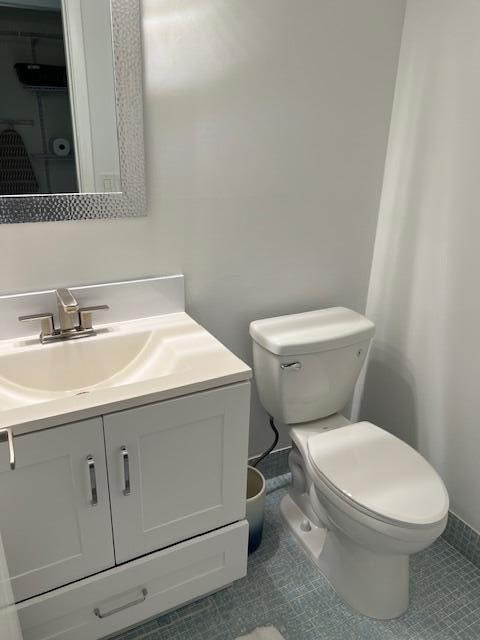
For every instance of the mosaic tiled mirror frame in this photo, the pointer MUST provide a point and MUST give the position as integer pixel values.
(127, 53)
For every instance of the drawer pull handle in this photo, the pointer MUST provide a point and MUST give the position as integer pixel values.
(99, 614)
(7, 434)
(93, 480)
(126, 472)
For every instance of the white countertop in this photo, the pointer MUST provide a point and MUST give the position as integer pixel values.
(167, 356)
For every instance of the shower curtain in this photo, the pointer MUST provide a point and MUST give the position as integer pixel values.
(423, 378)
(9, 627)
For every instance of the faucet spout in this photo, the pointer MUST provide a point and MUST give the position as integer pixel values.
(67, 308)
(67, 300)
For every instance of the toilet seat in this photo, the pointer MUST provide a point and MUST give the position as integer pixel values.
(379, 475)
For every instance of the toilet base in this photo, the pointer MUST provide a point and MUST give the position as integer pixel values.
(376, 585)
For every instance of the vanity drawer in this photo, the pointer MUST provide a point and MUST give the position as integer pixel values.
(124, 596)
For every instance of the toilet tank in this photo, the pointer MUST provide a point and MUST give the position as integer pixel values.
(306, 365)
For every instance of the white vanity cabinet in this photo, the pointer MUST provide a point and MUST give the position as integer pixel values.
(55, 507)
(112, 520)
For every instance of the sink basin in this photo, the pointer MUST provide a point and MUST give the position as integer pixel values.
(69, 367)
(142, 361)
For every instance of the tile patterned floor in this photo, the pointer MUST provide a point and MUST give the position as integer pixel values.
(283, 588)
(274, 464)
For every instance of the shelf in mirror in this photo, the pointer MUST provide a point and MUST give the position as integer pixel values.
(51, 156)
(46, 89)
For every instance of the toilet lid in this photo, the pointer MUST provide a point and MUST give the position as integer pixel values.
(379, 474)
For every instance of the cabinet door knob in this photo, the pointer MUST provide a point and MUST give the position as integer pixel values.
(126, 471)
(7, 434)
(93, 481)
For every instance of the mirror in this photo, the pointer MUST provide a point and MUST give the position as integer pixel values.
(71, 128)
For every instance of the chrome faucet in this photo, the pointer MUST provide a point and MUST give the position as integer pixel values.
(75, 321)
(67, 309)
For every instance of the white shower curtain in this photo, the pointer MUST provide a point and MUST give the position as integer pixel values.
(423, 380)
(9, 627)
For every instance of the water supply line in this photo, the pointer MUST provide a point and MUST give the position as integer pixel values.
(272, 447)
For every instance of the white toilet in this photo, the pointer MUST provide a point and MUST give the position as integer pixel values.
(361, 500)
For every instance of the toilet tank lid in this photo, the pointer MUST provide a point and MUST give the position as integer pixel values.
(311, 332)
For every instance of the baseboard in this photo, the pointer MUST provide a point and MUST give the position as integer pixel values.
(463, 538)
(275, 464)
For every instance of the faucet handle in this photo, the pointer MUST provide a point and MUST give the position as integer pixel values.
(46, 320)
(85, 315)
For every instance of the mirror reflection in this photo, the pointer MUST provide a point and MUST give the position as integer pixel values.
(58, 130)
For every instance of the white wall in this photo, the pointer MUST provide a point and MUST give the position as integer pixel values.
(98, 51)
(266, 130)
(88, 28)
(424, 375)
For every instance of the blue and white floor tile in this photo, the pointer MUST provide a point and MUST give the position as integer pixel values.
(284, 589)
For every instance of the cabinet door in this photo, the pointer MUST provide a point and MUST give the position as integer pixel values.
(177, 468)
(52, 530)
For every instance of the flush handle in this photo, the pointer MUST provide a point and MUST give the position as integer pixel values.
(126, 471)
(93, 481)
(291, 366)
(7, 434)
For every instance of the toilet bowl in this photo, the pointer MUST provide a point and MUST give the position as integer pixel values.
(361, 501)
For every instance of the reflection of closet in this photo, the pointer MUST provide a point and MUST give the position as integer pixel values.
(40, 113)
